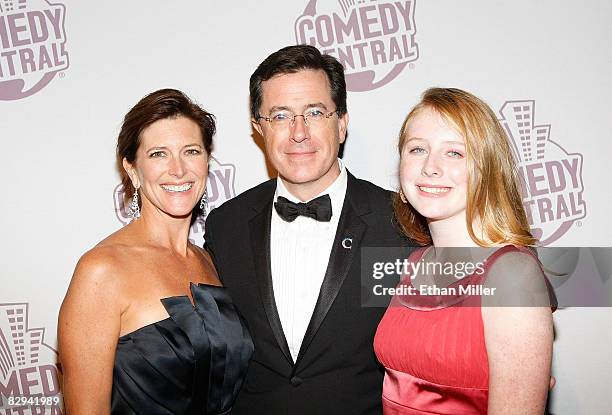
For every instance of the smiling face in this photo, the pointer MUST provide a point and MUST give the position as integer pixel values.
(305, 156)
(433, 168)
(171, 167)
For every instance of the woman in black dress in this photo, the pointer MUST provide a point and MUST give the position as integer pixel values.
(146, 327)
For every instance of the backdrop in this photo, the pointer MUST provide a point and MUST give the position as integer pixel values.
(69, 72)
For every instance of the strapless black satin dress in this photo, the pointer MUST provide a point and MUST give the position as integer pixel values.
(193, 362)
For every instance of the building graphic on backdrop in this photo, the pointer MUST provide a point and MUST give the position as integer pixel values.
(32, 46)
(27, 365)
(374, 40)
(551, 176)
(220, 187)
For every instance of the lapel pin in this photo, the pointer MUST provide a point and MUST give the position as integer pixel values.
(347, 243)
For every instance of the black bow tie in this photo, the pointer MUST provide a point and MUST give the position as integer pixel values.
(319, 209)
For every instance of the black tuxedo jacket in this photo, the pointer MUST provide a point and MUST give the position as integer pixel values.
(336, 371)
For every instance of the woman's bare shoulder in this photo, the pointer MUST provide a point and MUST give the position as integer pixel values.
(97, 287)
(202, 252)
(210, 272)
(107, 262)
(518, 280)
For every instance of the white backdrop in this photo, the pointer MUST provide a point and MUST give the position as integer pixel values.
(84, 64)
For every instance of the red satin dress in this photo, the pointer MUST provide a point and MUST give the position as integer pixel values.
(433, 350)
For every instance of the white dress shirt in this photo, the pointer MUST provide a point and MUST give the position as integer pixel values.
(299, 254)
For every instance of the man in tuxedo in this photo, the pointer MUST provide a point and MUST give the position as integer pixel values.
(289, 253)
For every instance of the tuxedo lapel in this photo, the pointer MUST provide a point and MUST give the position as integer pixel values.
(259, 228)
(344, 249)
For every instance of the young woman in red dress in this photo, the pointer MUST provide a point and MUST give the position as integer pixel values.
(446, 351)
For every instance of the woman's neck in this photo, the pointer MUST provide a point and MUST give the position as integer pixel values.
(452, 232)
(159, 229)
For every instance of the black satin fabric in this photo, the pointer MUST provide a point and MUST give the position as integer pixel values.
(193, 362)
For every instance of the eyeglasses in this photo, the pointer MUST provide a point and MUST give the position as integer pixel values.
(284, 120)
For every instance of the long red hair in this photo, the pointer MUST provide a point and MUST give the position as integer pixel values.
(493, 194)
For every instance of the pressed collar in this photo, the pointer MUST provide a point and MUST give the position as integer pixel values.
(336, 190)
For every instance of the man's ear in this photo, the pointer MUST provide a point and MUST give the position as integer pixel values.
(342, 126)
(129, 169)
(257, 126)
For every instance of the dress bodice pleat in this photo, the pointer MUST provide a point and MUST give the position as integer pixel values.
(192, 362)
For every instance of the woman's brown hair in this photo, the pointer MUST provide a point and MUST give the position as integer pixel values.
(158, 105)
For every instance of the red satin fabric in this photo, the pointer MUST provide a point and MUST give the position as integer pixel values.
(404, 394)
(434, 352)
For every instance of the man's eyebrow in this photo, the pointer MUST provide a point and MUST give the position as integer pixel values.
(286, 108)
(317, 105)
(280, 108)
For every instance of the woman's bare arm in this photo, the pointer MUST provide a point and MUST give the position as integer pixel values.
(518, 335)
(88, 330)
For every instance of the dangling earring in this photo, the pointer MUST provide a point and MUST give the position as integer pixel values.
(134, 208)
(204, 202)
(402, 197)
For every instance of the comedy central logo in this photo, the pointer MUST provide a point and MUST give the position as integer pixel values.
(220, 187)
(28, 372)
(32, 46)
(551, 176)
(374, 40)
